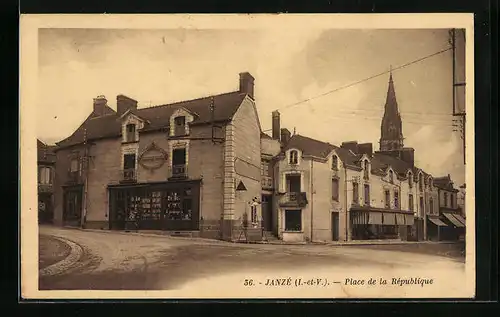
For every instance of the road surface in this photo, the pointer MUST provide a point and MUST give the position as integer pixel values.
(119, 261)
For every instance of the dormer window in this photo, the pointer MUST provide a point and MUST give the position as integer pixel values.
(391, 177)
(410, 180)
(294, 157)
(366, 170)
(180, 126)
(421, 183)
(131, 133)
(430, 183)
(335, 163)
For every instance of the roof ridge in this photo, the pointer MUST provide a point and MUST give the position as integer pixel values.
(185, 101)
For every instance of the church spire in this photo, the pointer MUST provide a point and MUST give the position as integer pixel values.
(391, 128)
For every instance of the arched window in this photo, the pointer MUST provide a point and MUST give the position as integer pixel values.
(430, 183)
(366, 170)
(391, 176)
(410, 180)
(335, 163)
(294, 157)
(421, 182)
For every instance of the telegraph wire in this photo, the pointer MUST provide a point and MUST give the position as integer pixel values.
(363, 80)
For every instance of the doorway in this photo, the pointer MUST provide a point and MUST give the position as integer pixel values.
(267, 211)
(72, 212)
(335, 226)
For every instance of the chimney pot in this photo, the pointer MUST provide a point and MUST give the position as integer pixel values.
(276, 125)
(247, 84)
(124, 103)
(100, 104)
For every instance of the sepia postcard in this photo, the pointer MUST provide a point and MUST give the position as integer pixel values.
(247, 156)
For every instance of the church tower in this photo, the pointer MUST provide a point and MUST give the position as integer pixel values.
(391, 137)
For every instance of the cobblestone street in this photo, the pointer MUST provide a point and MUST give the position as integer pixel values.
(120, 261)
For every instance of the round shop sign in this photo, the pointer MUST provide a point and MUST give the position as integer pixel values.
(153, 158)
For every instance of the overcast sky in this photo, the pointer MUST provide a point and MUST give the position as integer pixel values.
(162, 66)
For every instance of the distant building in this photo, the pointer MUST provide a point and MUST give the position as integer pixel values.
(192, 167)
(450, 212)
(46, 165)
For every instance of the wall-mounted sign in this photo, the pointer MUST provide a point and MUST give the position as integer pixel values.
(153, 157)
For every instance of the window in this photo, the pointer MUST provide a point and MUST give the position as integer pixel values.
(293, 220)
(74, 165)
(131, 133)
(451, 200)
(367, 195)
(294, 157)
(396, 199)
(335, 163)
(410, 180)
(421, 183)
(128, 161)
(387, 199)
(445, 198)
(335, 189)
(366, 170)
(410, 202)
(430, 183)
(391, 177)
(421, 205)
(431, 206)
(45, 175)
(355, 193)
(264, 168)
(180, 126)
(179, 162)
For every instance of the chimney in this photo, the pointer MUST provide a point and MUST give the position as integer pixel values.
(350, 145)
(124, 103)
(100, 104)
(285, 135)
(246, 84)
(365, 148)
(407, 154)
(276, 125)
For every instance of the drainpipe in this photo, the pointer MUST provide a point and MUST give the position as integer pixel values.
(312, 197)
(345, 204)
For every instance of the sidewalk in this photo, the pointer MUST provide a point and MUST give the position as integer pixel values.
(150, 233)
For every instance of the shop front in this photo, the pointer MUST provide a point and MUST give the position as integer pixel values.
(169, 206)
(380, 224)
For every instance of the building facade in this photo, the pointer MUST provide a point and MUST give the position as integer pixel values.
(450, 223)
(191, 167)
(325, 192)
(46, 162)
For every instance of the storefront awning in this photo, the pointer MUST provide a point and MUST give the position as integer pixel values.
(460, 218)
(400, 219)
(453, 220)
(437, 222)
(389, 218)
(375, 218)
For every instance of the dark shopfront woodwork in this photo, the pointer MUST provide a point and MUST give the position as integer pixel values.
(155, 207)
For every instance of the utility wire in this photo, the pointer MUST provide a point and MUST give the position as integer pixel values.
(363, 80)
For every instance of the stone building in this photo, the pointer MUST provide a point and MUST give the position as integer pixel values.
(326, 192)
(191, 167)
(46, 164)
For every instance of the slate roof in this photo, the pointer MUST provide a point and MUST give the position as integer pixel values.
(317, 148)
(157, 117)
(45, 153)
(444, 182)
(379, 162)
